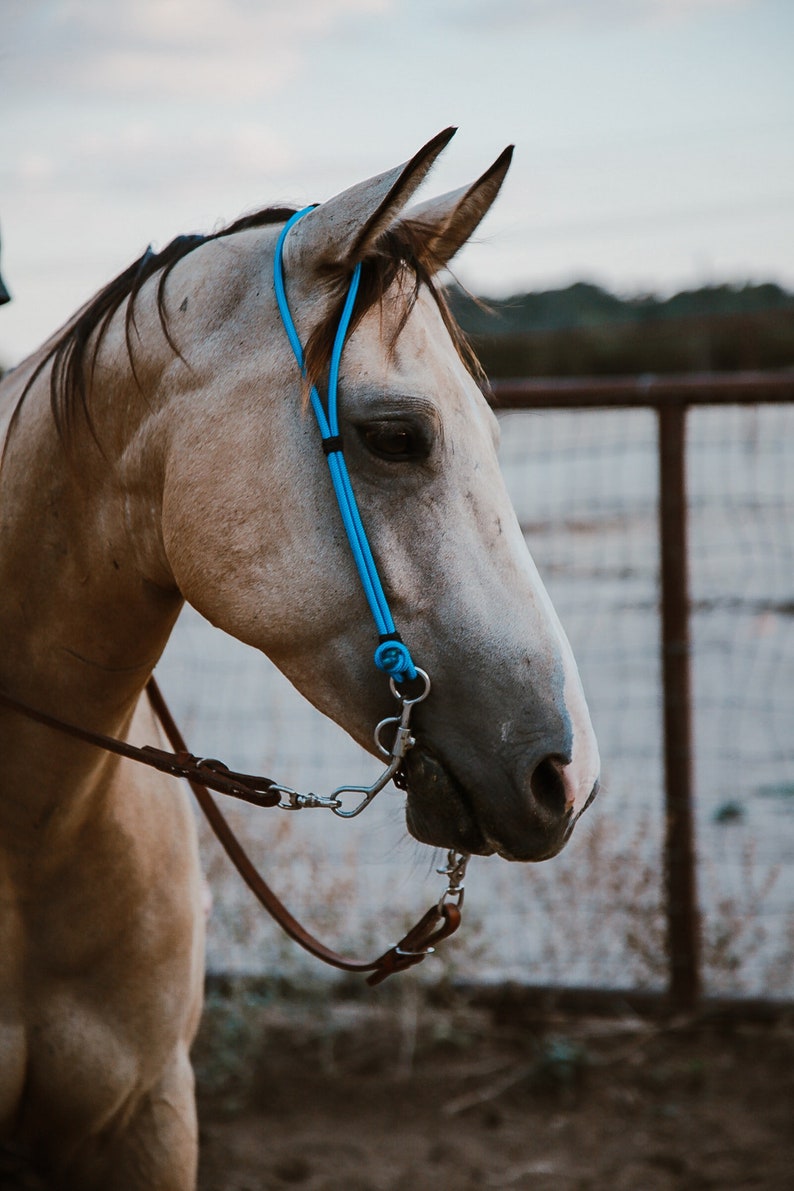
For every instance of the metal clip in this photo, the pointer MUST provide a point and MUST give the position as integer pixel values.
(403, 742)
(293, 801)
(456, 871)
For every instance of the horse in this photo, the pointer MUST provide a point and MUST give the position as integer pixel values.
(159, 449)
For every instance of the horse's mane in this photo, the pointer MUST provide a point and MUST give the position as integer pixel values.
(74, 357)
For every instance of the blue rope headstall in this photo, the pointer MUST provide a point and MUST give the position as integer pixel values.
(392, 655)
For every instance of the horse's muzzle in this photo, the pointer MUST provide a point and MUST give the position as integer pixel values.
(530, 824)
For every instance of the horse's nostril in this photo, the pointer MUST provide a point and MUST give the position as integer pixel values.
(548, 787)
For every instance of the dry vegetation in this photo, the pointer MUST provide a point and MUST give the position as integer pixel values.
(344, 1096)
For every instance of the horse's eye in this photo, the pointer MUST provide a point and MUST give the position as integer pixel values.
(393, 441)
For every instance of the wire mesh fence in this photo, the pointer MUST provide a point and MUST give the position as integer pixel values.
(585, 486)
(741, 519)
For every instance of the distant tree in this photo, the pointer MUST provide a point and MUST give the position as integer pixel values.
(585, 330)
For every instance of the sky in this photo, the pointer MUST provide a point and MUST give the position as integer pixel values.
(654, 138)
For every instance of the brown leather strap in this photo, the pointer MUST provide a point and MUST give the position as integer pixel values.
(438, 923)
(203, 775)
(212, 773)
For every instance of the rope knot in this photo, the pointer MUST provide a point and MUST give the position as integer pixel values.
(394, 658)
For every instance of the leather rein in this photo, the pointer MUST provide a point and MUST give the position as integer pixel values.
(205, 774)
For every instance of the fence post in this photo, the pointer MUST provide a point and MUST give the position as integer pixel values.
(683, 925)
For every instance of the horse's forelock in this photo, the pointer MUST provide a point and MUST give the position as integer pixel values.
(399, 257)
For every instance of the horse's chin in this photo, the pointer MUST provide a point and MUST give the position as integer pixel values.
(438, 811)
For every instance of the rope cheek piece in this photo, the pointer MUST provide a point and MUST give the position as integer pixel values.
(392, 655)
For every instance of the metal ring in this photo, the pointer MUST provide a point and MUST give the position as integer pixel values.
(410, 702)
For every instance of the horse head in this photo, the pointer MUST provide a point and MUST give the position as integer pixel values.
(505, 759)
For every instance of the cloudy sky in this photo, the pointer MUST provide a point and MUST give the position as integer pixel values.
(655, 138)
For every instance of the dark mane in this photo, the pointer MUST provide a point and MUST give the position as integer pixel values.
(399, 256)
(71, 364)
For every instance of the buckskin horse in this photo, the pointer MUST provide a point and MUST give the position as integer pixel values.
(160, 448)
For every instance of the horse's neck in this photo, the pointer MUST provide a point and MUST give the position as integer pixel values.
(81, 620)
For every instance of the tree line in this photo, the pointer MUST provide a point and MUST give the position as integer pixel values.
(583, 330)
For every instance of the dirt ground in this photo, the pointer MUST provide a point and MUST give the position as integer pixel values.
(403, 1097)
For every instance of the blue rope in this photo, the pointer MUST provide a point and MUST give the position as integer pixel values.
(392, 655)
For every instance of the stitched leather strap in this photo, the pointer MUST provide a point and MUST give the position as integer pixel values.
(208, 771)
(438, 923)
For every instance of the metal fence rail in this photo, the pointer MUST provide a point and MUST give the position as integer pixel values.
(670, 397)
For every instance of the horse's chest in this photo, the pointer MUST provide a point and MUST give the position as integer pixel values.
(103, 983)
(80, 1065)
(89, 1049)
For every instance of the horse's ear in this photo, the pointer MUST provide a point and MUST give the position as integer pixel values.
(443, 225)
(344, 229)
